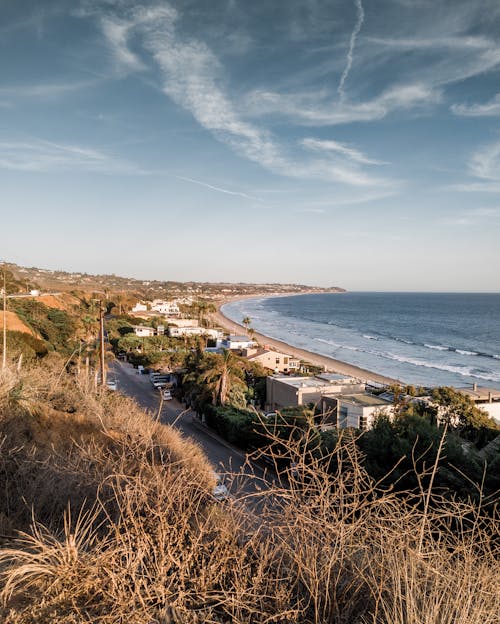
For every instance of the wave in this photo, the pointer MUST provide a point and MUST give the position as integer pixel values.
(369, 337)
(463, 371)
(458, 370)
(437, 347)
(464, 352)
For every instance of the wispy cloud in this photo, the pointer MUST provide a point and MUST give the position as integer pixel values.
(342, 149)
(193, 77)
(306, 109)
(45, 90)
(488, 109)
(352, 42)
(45, 156)
(485, 162)
(217, 188)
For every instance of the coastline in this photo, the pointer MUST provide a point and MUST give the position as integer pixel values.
(330, 364)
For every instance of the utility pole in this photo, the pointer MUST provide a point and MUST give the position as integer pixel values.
(101, 345)
(4, 352)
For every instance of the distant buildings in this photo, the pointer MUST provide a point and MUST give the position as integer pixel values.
(168, 308)
(140, 307)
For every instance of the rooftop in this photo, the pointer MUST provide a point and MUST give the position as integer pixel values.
(365, 400)
(481, 393)
(315, 382)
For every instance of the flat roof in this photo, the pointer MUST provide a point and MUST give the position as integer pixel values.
(311, 382)
(367, 400)
(336, 377)
(480, 393)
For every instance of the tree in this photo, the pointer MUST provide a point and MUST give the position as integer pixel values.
(459, 410)
(246, 322)
(223, 377)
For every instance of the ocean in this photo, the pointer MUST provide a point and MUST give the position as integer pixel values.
(428, 339)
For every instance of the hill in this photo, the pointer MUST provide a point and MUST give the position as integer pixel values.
(58, 280)
(108, 517)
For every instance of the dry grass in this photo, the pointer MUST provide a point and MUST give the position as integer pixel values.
(143, 541)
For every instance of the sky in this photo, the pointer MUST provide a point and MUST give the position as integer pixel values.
(324, 142)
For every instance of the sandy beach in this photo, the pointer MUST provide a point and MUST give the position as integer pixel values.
(328, 363)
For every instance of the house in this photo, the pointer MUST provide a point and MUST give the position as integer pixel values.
(142, 330)
(237, 342)
(274, 360)
(360, 410)
(169, 308)
(139, 307)
(177, 332)
(180, 322)
(487, 399)
(282, 391)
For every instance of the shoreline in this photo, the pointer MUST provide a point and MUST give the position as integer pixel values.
(329, 364)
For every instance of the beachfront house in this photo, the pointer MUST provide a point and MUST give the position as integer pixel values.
(237, 343)
(487, 399)
(359, 411)
(282, 391)
(272, 359)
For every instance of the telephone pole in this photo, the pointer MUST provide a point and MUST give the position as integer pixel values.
(101, 344)
(4, 352)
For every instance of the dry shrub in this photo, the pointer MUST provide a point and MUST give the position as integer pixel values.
(307, 547)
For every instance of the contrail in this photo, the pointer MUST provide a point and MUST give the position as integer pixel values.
(352, 43)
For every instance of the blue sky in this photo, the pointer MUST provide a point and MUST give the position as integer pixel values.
(314, 141)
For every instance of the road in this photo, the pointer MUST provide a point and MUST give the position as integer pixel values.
(224, 457)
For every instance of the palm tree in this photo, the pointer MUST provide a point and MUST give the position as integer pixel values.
(221, 376)
(247, 322)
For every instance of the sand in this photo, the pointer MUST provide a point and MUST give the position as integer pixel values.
(329, 364)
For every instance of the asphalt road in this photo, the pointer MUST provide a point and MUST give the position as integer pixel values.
(225, 458)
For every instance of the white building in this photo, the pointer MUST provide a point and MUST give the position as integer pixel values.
(143, 331)
(181, 322)
(169, 308)
(177, 332)
(139, 307)
(487, 399)
(361, 410)
(237, 342)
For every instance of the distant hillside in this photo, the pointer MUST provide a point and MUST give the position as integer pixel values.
(46, 279)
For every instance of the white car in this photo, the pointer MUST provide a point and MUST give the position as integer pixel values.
(167, 395)
(220, 491)
(111, 385)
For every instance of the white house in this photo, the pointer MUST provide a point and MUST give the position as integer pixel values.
(237, 342)
(182, 322)
(169, 308)
(142, 330)
(139, 307)
(177, 332)
(360, 410)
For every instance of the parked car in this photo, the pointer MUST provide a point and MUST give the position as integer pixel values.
(167, 395)
(111, 385)
(220, 491)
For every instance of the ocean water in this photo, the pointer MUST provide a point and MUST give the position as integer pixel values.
(426, 339)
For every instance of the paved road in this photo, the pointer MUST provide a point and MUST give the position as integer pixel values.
(224, 457)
